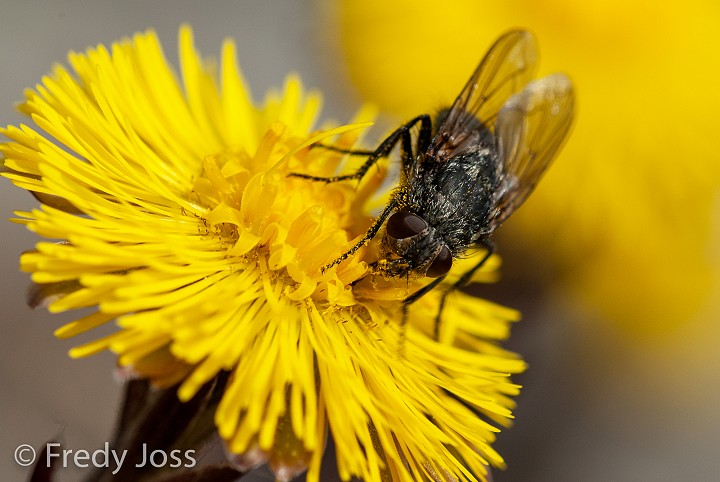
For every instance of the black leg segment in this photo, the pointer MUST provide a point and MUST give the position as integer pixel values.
(369, 234)
(462, 281)
(383, 150)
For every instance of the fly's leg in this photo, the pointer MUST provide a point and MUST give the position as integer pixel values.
(462, 281)
(423, 291)
(412, 299)
(383, 150)
(369, 234)
(402, 134)
(342, 150)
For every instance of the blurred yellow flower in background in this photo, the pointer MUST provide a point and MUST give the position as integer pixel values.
(625, 214)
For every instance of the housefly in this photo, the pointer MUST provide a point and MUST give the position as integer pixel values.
(470, 169)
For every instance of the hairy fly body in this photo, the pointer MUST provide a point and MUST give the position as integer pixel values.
(464, 175)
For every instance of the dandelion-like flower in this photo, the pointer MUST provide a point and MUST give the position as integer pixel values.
(177, 218)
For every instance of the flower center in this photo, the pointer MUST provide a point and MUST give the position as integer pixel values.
(289, 228)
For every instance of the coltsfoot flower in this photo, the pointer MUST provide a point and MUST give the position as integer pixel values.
(177, 219)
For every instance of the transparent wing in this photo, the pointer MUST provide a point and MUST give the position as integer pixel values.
(506, 68)
(530, 129)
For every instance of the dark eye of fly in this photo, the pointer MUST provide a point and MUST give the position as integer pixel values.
(403, 225)
(441, 264)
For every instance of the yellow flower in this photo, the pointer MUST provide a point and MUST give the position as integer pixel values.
(178, 219)
(626, 211)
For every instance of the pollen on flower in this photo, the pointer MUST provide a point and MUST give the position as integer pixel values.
(178, 221)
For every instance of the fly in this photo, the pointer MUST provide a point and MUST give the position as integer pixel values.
(470, 169)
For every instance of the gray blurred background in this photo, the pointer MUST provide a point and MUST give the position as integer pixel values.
(577, 421)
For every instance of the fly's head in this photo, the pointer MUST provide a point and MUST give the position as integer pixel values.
(411, 242)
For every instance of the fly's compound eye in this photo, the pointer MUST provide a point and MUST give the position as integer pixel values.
(441, 264)
(403, 225)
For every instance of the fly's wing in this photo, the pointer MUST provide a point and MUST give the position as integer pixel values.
(530, 129)
(506, 68)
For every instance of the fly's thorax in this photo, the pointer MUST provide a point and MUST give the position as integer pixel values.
(456, 198)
